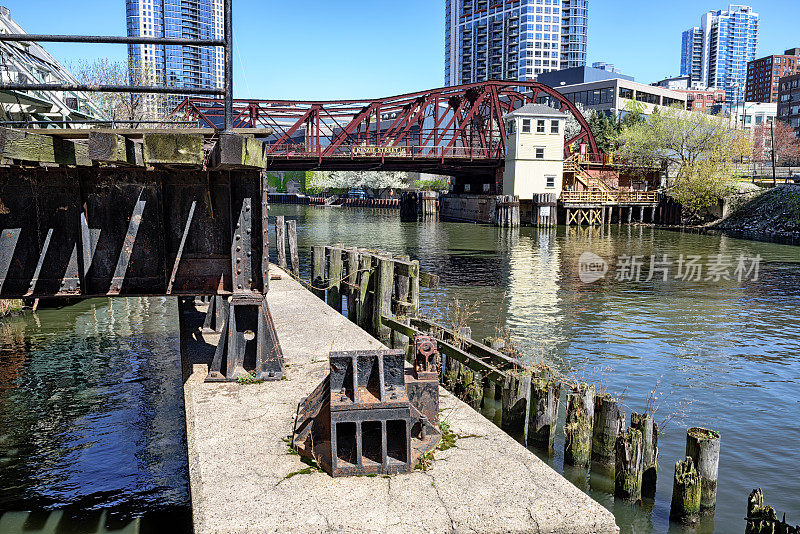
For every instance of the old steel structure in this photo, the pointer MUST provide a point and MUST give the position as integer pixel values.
(155, 213)
(454, 130)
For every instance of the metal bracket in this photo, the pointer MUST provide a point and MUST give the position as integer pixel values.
(248, 345)
(218, 310)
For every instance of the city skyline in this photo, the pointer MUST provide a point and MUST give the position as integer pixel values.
(354, 56)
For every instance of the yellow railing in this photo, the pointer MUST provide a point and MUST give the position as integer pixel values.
(609, 197)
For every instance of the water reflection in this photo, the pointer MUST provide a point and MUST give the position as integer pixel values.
(723, 354)
(91, 418)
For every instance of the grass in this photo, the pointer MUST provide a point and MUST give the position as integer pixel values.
(10, 306)
(313, 467)
(447, 441)
(248, 378)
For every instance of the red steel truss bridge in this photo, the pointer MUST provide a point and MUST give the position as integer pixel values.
(454, 130)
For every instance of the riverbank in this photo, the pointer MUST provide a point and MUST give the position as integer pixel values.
(771, 215)
(487, 482)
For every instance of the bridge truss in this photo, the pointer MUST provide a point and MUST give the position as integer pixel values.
(451, 130)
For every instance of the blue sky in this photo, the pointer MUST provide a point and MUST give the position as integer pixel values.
(323, 49)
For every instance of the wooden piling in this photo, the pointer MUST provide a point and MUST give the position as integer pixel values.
(543, 412)
(609, 422)
(383, 298)
(685, 507)
(365, 283)
(628, 465)
(702, 445)
(280, 240)
(413, 288)
(644, 423)
(352, 285)
(402, 290)
(335, 266)
(293, 252)
(318, 271)
(516, 388)
(578, 425)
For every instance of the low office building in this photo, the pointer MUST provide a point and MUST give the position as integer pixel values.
(698, 98)
(789, 101)
(577, 75)
(763, 75)
(751, 114)
(613, 95)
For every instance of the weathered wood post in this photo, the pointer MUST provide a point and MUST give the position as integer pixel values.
(578, 425)
(630, 214)
(702, 445)
(492, 392)
(644, 423)
(280, 240)
(514, 398)
(609, 422)
(365, 285)
(318, 271)
(685, 507)
(383, 298)
(293, 252)
(413, 288)
(352, 285)
(335, 278)
(543, 412)
(628, 465)
(400, 310)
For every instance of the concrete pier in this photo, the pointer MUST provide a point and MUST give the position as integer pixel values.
(244, 479)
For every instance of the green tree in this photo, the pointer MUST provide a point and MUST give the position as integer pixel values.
(700, 152)
(605, 130)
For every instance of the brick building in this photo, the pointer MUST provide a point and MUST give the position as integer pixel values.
(789, 101)
(763, 75)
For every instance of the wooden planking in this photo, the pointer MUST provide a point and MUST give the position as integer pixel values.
(173, 149)
(138, 133)
(33, 147)
(114, 149)
(234, 151)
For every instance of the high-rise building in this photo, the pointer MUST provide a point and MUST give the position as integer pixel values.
(716, 53)
(512, 39)
(789, 101)
(179, 66)
(763, 75)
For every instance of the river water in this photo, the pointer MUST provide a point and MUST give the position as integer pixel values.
(92, 435)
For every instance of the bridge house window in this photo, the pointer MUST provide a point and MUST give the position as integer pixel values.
(550, 181)
(540, 126)
(554, 126)
(539, 154)
(526, 126)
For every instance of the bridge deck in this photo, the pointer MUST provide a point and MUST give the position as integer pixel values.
(240, 463)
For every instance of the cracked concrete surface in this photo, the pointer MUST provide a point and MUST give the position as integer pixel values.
(238, 459)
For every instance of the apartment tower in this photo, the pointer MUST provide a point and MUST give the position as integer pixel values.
(716, 53)
(512, 39)
(180, 66)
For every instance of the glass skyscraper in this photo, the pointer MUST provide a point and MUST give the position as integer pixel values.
(180, 66)
(716, 53)
(512, 39)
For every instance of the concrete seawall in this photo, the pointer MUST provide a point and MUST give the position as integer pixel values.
(243, 478)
